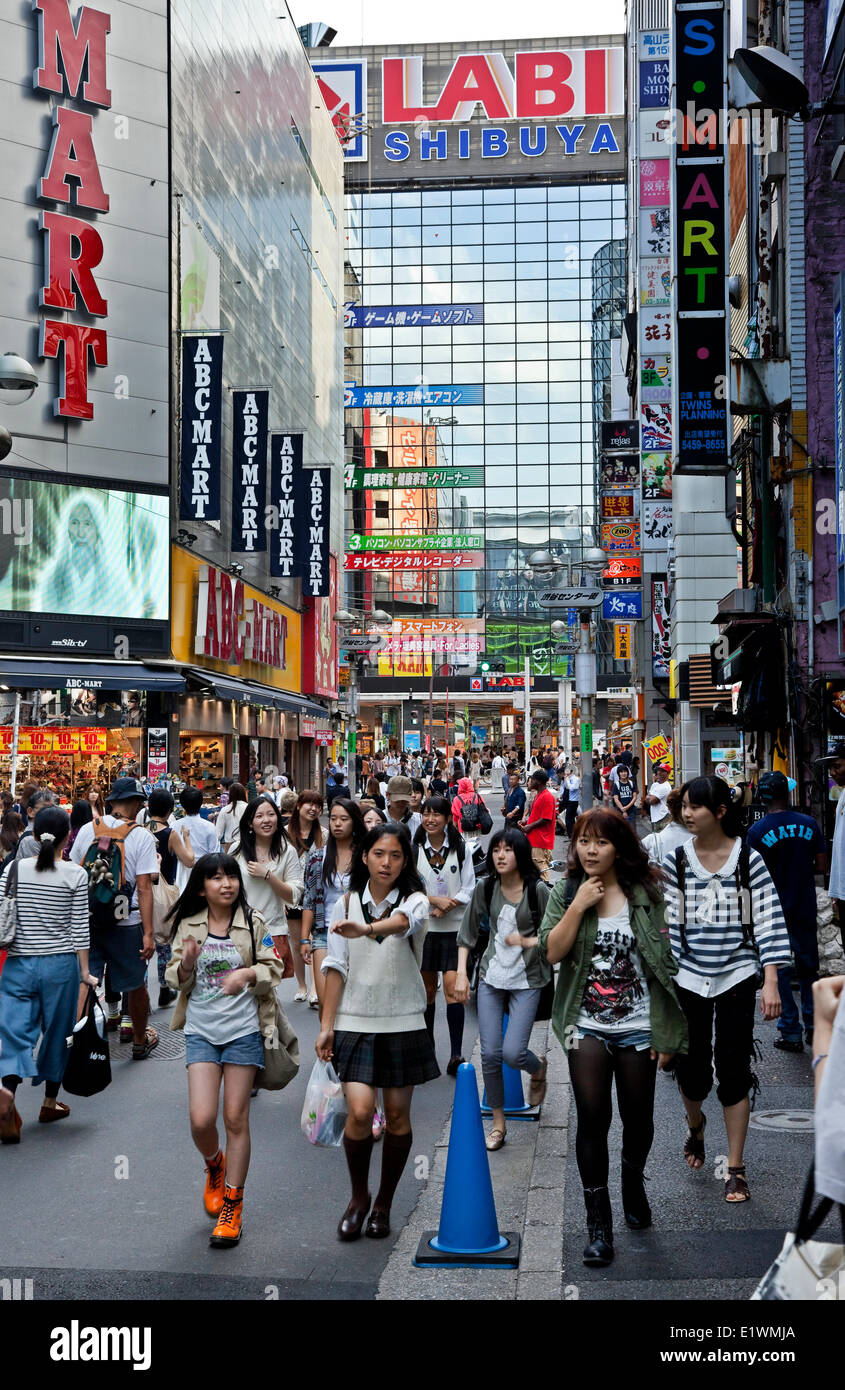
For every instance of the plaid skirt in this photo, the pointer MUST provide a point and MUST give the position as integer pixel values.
(440, 951)
(385, 1059)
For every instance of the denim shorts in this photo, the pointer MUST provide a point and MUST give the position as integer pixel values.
(640, 1039)
(247, 1051)
(119, 948)
(320, 940)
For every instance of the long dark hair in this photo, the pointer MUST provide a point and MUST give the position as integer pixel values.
(294, 825)
(632, 863)
(408, 881)
(441, 806)
(193, 901)
(359, 831)
(50, 821)
(11, 829)
(525, 866)
(246, 834)
(713, 793)
(237, 792)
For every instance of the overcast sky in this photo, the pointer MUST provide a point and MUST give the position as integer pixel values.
(447, 21)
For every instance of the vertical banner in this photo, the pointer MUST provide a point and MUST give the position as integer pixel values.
(156, 753)
(249, 469)
(315, 557)
(285, 503)
(700, 239)
(202, 423)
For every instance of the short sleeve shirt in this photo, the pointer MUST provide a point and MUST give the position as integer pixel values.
(140, 854)
(789, 842)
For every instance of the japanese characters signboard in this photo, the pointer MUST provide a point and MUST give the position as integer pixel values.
(357, 397)
(623, 603)
(657, 525)
(411, 315)
(371, 479)
(620, 536)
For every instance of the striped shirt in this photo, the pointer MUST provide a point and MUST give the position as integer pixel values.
(714, 958)
(52, 909)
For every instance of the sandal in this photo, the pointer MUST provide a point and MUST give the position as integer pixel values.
(142, 1050)
(694, 1144)
(736, 1187)
(495, 1139)
(537, 1085)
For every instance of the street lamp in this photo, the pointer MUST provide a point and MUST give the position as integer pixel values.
(17, 383)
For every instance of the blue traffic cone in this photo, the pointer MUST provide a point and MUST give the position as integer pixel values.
(468, 1235)
(516, 1106)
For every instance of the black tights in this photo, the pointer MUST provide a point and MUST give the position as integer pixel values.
(51, 1088)
(592, 1068)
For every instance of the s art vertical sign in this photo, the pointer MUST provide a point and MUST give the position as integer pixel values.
(700, 240)
(286, 511)
(201, 426)
(249, 469)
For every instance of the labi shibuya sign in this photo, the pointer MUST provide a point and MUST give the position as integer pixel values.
(561, 97)
(699, 241)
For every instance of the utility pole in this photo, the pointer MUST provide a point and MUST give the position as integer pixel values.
(585, 689)
(527, 682)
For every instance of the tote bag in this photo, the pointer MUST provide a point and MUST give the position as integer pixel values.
(88, 1067)
(798, 1271)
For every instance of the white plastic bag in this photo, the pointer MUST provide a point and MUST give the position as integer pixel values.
(324, 1110)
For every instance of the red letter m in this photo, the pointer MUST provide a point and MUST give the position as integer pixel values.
(77, 44)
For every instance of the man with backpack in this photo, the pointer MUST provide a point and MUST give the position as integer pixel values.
(120, 858)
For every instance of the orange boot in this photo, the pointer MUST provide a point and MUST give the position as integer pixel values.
(10, 1127)
(229, 1228)
(213, 1192)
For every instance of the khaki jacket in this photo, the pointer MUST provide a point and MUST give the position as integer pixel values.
(265, 963)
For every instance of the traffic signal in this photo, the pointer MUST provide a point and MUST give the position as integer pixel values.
(414, 716)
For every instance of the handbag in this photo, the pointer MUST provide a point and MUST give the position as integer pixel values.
(88, 1067)
(803, 1263)
(281, 1051)
(9, 907)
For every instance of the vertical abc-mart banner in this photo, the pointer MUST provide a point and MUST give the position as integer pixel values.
(201, 424)
(249, 469)
(313, 514)
(285, 503)
(699, 238)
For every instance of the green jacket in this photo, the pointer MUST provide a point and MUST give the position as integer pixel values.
(668, 1022)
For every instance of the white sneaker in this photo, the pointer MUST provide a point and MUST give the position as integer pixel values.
(313, 1001)
(300, 996)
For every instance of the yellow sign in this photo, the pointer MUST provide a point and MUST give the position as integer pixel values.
(622, 633)
(223, 625)
(659, 750)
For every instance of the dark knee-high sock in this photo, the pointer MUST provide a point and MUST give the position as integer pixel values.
(11, 1083)
(455, 1020)
(429, 1020)
(394, 1156)
(358, 1161)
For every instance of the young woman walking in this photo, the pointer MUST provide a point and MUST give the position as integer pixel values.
(625, 795)
(226, 978)
(449, 877)
(512, 898)
(616, 1011)
(728, 934)
(229, 818)
(39, 986)
(271, 871)
(372, 816)
(305, 833)
(373, 1022)
(326, 880)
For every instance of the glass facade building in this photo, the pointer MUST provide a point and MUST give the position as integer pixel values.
(526, 254)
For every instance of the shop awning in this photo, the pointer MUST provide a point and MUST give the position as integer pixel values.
(252, 693)
(55, 673)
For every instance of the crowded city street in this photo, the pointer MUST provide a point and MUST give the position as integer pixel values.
(422, 673)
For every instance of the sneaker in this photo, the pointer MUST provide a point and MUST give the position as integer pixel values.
(125, 1031)
(214, 1183)
(300, 996)
(313, 1001)
(229, 1228)
(113, 1019)
(789, 1044)
(165, 997)
(379, 1123)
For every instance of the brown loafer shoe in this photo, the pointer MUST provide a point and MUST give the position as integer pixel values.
(10, 1127)
(352, 1221)
(48, 1113)
(378, 1226)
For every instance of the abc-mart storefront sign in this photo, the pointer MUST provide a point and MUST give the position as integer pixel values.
(563, 99)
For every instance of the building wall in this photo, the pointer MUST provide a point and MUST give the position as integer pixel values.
(240, 77)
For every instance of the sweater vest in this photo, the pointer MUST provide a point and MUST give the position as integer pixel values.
(384, 992)
(450, 875)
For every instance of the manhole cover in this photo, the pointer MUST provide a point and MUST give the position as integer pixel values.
(797, 1121)
(170, 1045)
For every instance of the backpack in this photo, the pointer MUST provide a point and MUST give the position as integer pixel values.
(742, 878)
(533, 900)
(109, 891)
(470, 815)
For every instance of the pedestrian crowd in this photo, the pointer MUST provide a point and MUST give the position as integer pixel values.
(667, 945)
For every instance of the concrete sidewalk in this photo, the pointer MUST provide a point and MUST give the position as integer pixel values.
(528, 1183)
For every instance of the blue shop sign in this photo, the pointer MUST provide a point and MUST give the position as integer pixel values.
(617, 606)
